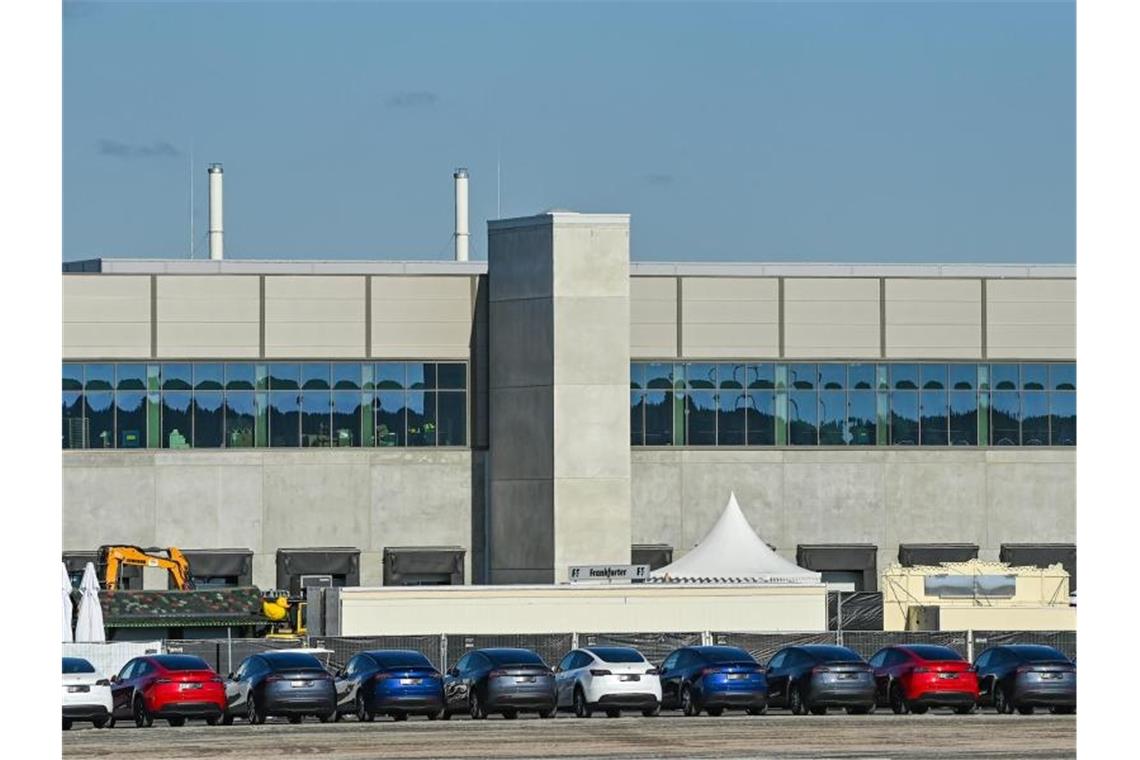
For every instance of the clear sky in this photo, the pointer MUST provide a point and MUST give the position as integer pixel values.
(876, 132)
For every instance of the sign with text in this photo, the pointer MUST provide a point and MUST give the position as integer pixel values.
(609, 573)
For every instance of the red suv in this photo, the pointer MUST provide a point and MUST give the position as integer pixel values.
(170, 686)
(916, 677)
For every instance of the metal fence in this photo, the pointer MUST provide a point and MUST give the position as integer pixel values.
(444, 650)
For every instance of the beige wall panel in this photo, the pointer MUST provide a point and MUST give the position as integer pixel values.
(934, 318)
(652, 341)
(653, 316)
(214, 316)
(314, 316)
(726, 317)
(421, 317)
(831, 317)
(730, 289)
(731, 340)
(1029, 319)
(106, 317)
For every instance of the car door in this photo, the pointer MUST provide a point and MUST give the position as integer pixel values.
(670, 680)
(237, 687)
(123, 689)
(777, 676)
(143, 677)
(878, 662)
(347, 684)
(454, 685)
(564, 679)
(985, 676)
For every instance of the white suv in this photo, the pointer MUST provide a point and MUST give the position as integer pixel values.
(86, 696)
(609, 679)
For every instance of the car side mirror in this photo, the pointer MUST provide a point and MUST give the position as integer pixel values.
(557, 668)
(115, 679)
(231, 676)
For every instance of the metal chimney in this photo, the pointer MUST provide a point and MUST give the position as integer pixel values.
(461, 233)
(215, 172)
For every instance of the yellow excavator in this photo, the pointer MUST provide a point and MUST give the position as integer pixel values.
(112, 560)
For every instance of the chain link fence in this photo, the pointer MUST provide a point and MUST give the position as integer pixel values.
(763, 645)
(866, 643)
(655, 646)
(549, 646)
(345, 647)
(1064, 641)
(224, 655)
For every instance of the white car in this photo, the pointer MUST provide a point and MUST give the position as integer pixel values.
(609, 679)
(86, 695)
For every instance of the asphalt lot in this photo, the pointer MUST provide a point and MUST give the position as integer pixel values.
(779, 734)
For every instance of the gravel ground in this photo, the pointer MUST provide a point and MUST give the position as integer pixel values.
(776, 735)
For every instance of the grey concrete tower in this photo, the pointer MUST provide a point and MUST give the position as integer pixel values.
(559, 394)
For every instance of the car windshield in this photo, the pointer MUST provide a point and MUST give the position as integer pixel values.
(292, 661)
(725, 654)
(401, 659)
(1038, 653)
(181, 662)
(513, 657)
(932, 652)
(842, 654)
(617, 654)
(77, 665)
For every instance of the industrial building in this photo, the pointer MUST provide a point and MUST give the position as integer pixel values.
(457, 422)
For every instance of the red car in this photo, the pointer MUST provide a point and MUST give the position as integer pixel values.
(170, 686)
(916, 677)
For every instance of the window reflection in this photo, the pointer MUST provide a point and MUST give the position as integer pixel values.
(240, 415)
(832, 418)
(451, 412)
(73, 423)
(761, 419)
(1005, 419)
(209, 414)
(100, 416)
(284, 418)
(1063, 419)
(731, 417)
(802, 417)
(701, 414)
(659, 418)
(390, 419)
(130, 415)
(637, 418)
(904, 418)
(934, 424)
(316, 419)
(1034, 419)
(347, 413)
(861, 418)
(421, 418)
(177, 427)
(802, 377)
(963, 418)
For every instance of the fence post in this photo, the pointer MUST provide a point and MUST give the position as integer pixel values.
(706, 638)
(970, 644)
(443, 652)
(574, 640)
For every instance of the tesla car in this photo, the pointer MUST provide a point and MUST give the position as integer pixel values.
(712, 678)
(1026, 676)
(506, 681)
(916, 677)
(86, 695)
(287, 684)
(170, 686)
(397, 683)
(608, 679)
(814, 677)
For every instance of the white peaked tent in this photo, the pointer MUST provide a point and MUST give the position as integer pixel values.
(67, 608)
(89, 625)
(732, 553)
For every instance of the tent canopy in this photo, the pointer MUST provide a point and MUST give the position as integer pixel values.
(732, 552)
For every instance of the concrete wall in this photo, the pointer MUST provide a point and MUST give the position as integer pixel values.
(265, 499)
(985, 497)
(106, 317)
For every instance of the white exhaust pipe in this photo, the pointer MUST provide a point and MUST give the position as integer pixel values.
(461, 232)
(216, 248)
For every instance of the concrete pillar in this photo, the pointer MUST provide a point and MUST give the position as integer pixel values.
(558, 394)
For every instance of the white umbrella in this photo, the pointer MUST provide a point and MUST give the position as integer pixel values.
(89, 627)
(67, 609)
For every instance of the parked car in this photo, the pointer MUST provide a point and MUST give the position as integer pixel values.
(288, 684)
(170, 686)
(609, 679)
(389, 682)
(506, 681)
(1025, 676)
(915, 677)
(86, 694)
(813, 677)
(712, 678)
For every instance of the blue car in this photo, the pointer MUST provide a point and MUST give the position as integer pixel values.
(398, 683)
(1024, 676)
(711, 679)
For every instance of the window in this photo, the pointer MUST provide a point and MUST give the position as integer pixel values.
(701, 413)
(778, 660)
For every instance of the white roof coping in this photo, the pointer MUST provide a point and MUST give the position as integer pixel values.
(272, 266)
(826, 269)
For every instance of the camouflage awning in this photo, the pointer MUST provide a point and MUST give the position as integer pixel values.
(215, 607)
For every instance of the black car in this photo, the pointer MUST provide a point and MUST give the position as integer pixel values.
(398, 683)
(506, 681)
(289, 684)
(1025, 676)
(814, 677)
(712, 678)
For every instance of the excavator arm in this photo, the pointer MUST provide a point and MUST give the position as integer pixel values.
(113, 558)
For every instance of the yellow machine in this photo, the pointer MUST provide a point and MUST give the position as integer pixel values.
(112, 559)
(286, 614)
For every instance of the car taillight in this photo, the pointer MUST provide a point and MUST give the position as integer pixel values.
(273, 678)
(382, 674)
(496, 673)
(1024, 668)
(821, 669)
(600, 672)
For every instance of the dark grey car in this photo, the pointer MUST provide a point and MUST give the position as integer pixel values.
(814, 677)
(1025, 676)
(289, 684)
(506, 681)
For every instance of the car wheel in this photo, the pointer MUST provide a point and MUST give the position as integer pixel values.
(1063, 710)
(227, 720)
(212, 720)
(176, 722)
(716, 712)
(861, 709)
(476, 706)
(143, 718)
(1025, 709)
(110, 722)
(67, 724)
(295, 719)
(918, 709)
(510, 714)
(435, 715)
(689, 705)
(99, 723)
(329, 717)
(581, 708)
(1001, 701)
(818, 709)
(761, 710)
(898, 704)
(445, 715)
(253, 713)
(363, 714)
(546, 713)
(652, 712)
(613, 713)
(966, 709)
(796, 702)
(399, 716)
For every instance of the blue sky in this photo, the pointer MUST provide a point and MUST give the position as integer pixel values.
(879, 132)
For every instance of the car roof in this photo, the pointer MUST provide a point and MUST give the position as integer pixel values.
(916, 650)
(504, 651)
(294, 658)
(391, 654)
